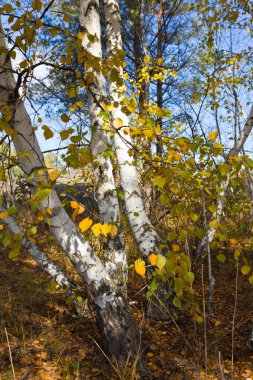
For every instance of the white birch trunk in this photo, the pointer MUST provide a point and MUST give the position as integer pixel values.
(115, 257)
(144, 233)
(221, 199)
(116, 326)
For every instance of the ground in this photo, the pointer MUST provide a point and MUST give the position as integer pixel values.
(46, 340)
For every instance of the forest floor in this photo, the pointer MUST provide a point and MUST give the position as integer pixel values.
(47, 341)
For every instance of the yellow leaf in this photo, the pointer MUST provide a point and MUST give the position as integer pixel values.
(213, 223)
(148, 132)
(79, 299)
(178, 156)
(175, 247)
(74, 204)
(53, 175)
(140, 267)
(147, 59)
(78, 209)
(1, 227)
(72, 107)
(105, 228)
(153, 259)
(184, 148)
(109, 107)
(85, 224)
(213, 135)
(160, 61)
(96, 229)
(117, 123)
(3, 215)
(245, 269)
(80, 36)
(80, 104)
(232, 241)
(49, 211)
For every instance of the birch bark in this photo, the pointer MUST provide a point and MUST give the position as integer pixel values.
(118, 331)
(106, 193)
(41, 258)
(144, 233)
(221, 199)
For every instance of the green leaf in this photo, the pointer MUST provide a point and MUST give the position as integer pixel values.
(179, 285)
(189, 277)
(161, 261)
(221, 258)
(14, 254)
(171, 236)
(176, 302)
(224, 169)
(212, 208)
(153, 285)
(12, 210)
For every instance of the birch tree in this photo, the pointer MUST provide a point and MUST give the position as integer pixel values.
(101, 142)
(118, 331)
(144, 233)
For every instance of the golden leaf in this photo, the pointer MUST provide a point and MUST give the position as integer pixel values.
(232, 241)
(85, 224)
(53, 175)
(117, 123)
(96, 229)
(140, 267)
(78, 209)
(153, 259)
(4, 215)
(105, 229)
(175, 247)
(213, 135)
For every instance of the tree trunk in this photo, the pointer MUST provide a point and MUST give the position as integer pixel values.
(116, 263)
(118, 330)
(144, 233)
(147, 239)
